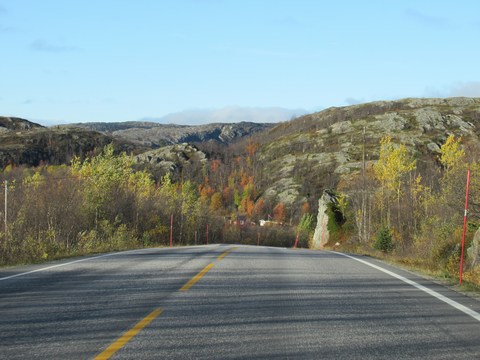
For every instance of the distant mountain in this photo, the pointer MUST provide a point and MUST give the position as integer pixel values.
(25, 143)
(156, 135)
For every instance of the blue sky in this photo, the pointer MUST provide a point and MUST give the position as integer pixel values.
(118, 60)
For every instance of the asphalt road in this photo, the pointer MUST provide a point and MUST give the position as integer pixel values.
(230, 302)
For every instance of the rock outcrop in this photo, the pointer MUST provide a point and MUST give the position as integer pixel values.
(322, 234)
(172, 157)
(473, 252)
(174, 160)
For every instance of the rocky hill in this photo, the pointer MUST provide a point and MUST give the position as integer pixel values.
(8, 124)
(322, 150)
(156, 135)
(297, 159)
(25, 143)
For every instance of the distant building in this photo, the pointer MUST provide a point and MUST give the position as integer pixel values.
(269, 223)
(241, 220)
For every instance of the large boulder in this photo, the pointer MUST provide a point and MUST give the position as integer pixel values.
(473, 252)
(322, 235)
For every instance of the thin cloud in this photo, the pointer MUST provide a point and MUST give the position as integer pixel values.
(3, 10)
(231, 114)
(44, 46)
(426, 18)
(459, 89)
(353, 101)
(468, 89)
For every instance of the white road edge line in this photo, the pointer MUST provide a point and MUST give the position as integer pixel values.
(55, 266)
(81, 260)
(433, 293)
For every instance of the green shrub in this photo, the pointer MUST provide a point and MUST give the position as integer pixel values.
(384, 241)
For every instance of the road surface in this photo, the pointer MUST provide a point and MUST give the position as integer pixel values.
(229, 302)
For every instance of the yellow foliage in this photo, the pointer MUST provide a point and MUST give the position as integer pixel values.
(472, 275)
(342, 202)
(34, 180)
(451, 154)
(216, 201)
(393, 163)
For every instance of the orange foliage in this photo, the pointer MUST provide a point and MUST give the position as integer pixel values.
(251, 148)
(215, 165)
(216, 201)
(244, 179)
(205, 191)
(248, 206)
(259, 209)
(279, 213)
(305, 208)
(227, 194)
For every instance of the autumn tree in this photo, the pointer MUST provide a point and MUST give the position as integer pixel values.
(259, 209)
(451, 153)
(113, 194)
(440, 226)
(393, 165)
(216, 202)
(452, 157)
(280, 213)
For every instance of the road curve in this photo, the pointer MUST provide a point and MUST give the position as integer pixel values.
(228, 302)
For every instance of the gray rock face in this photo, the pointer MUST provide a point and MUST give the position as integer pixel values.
(322, 235)
(171, 158)
(327, 147)
(434, 148)
(473, 252)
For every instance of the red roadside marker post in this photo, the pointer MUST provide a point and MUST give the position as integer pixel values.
(464, 226)
(296, 241)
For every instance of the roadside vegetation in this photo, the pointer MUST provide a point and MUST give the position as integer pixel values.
(412, 212)
(396, 207)
(105, 203)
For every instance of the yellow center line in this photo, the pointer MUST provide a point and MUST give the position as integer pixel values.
(225, 253)
(125, 338)
(197, 277)
(206, 269)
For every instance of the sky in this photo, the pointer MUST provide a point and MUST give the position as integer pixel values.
(65, 61)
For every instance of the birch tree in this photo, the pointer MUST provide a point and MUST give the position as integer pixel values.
(393, 165)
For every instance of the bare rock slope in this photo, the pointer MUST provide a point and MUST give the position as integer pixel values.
(324, 150)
